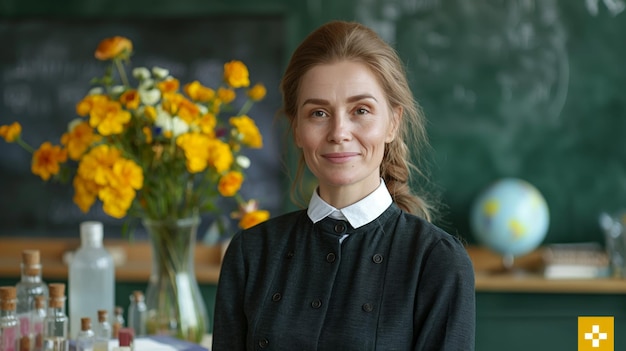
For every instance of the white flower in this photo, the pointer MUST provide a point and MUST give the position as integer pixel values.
(149, 96)
(167, 123)
(96, 91)
(141, 73)
(243, 161)
(117, 89)
(146, 84)
(160, 73)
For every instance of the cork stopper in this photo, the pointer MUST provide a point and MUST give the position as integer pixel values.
(102, 315)
(40, 302)
(24, 343)
(137, 295)
(85, 323)
(30, 262)
(57, 295)
(7, 298)
(119, 310)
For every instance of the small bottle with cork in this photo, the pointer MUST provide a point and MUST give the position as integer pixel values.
(9, 324)
(55, 331)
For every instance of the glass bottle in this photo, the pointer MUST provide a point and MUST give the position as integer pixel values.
(9, 324)
(91, 277)
(55, 327)
(37, 322)
(86, 336)
(102, 332)
(137, 313)
(29, 287)
(118, 322)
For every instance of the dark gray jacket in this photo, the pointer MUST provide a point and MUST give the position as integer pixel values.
(397, 283)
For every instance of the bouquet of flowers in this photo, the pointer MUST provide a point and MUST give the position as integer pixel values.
(155, 149)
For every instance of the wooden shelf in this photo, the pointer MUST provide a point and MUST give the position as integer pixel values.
(134, 258)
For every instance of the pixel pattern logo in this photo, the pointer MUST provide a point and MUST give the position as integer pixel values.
(595, 333)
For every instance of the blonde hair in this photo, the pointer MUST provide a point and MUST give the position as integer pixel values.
(339, 41)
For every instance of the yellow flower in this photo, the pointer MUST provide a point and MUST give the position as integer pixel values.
(126, 173)
(78, 140)
(114, 47)
(150, 113)
(253, 218)
(46, 160)
(226, 96)
(84, 107)
(10, 132)
(85, 192)
(198, 92)
(130, 99)
(196, 148)
(116, 200)
(220, 155)
(148, 133)
(97, 164)
(249, 132)
(236, 74)
(230, 183)
(109, 118)
(169, 85)
(207, 124)
(257, 92)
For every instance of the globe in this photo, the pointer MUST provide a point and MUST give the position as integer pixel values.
(510, 217)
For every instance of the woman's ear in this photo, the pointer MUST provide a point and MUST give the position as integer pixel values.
(396, 118)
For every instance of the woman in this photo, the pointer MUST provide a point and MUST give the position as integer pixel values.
(361, 268)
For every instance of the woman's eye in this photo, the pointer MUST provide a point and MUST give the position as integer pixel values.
(362, 111)
(318, 114)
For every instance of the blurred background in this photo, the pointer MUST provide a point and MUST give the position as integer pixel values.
(532, 89)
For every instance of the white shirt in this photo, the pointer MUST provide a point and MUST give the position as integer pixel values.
(357, 214)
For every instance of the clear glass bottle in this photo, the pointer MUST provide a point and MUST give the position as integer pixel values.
(102, 332)
(91, 277)
(55, 327)
(9, 324)
(86, 337)
(118, 322)
(30, 286)
(37, 322)
(137, 313)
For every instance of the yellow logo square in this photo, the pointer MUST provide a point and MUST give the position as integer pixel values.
(595, 334)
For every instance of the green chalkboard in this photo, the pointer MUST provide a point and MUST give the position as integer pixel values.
(523, 88)
(46, 66)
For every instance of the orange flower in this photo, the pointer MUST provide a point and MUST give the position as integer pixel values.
(11, 132)
(46, 160)
(230, 183)
(236, 74)
(114, 47)
(130, 99)
(78, 139)
(253, 218)
(257, 92)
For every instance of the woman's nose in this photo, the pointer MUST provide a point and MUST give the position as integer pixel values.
(339, 129)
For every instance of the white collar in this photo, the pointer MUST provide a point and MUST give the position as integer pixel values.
(357, 214)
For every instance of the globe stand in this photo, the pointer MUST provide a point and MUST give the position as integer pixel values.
(507, 262)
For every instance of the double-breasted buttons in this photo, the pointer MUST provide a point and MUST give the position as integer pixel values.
(377, 258)
(340, 228)
(276, 297)
(263, 343)
(330, 258)
(290, 254)
(367, 307)
(317, 303)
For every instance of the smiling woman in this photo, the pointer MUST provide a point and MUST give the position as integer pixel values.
(361, 268)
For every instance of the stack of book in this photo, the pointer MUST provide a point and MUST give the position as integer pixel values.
(575, 261)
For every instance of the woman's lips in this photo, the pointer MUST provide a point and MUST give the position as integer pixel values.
(340, 157)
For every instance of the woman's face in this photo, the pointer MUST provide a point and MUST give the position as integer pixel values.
(342, 125)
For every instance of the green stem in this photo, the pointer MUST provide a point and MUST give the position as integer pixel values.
(23, 144)
(121, 71)
(246, 107)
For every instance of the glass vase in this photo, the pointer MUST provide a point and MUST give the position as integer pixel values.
(173, 299)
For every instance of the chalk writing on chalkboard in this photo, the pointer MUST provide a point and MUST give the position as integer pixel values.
(45, 68)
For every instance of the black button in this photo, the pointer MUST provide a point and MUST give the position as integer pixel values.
(317, 303)
(367, 307)
(378, 258)
(330, 257)
(276, 297)
(340, 228)
(290, 254)
(263, 343)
